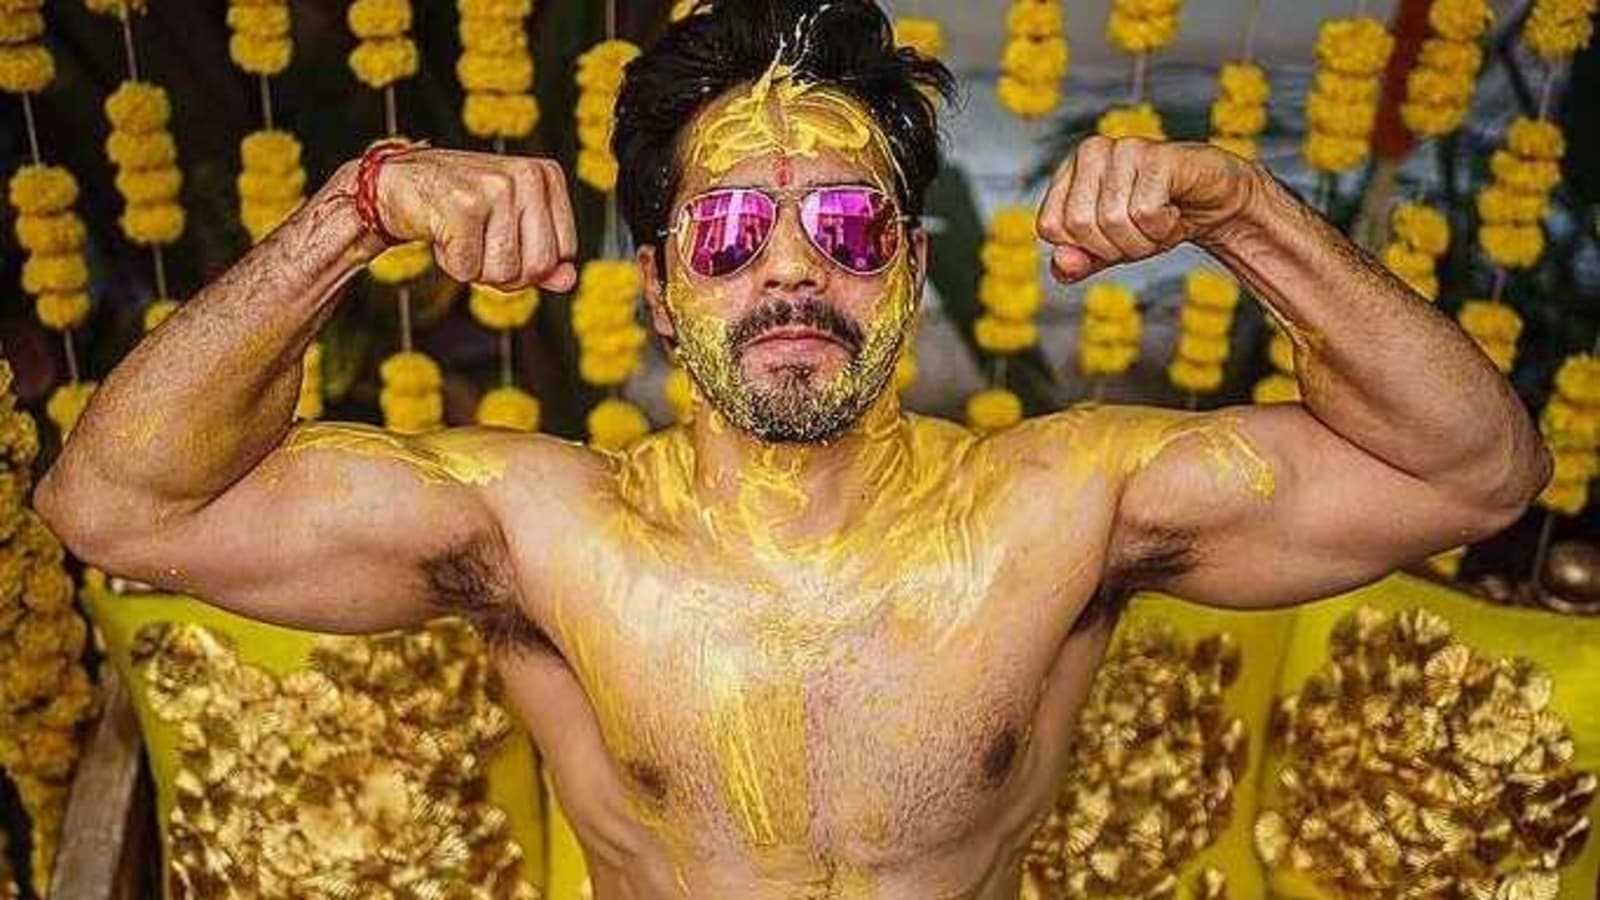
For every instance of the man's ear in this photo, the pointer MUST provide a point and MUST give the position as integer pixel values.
(652, 274)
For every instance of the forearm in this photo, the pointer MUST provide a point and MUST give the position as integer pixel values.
(204, 398)
(1376, 362)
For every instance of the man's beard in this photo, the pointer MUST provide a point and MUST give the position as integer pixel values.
(796, 405)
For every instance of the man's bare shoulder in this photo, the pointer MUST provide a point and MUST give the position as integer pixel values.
(1090, 439)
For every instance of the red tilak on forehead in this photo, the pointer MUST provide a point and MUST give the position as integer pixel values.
(784, 171)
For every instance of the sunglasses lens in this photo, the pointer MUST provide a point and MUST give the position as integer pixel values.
(727, 229)
(855, 227)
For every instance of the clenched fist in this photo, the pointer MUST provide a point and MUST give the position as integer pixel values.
(504, 221)
(1116, 201)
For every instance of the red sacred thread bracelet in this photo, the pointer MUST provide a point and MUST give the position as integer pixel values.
(365, 193)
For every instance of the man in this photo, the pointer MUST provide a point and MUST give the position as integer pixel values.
(808, 645)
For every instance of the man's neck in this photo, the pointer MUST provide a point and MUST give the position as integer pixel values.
(794, 493)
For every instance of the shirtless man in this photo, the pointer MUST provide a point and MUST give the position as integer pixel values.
(808, 645)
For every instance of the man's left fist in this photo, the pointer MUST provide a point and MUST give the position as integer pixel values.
(1118, 200)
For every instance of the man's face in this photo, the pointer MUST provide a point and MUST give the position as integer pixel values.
(793, 347)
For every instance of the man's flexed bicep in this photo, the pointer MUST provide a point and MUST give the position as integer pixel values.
(342, 528)
(1265, 506)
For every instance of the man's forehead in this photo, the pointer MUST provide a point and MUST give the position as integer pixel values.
(784, 170)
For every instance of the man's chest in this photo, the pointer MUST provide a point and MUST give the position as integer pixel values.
(867, 705)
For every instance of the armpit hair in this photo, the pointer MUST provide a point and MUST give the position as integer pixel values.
(1152, 558)
(472, 579)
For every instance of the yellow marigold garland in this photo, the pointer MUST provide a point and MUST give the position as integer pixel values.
(1142, 26)
(615, 423)
(1035, 58)
(1206, 317)
(508, 406)
(609, 338)
(54, 272)
(1137, 120)
(1556, 29)
(1239, 113)
(993, 408)
(1108, 343)
(384, 52)
(412, 397)
(45, 691)
(402, 263)
(1342, 107)
(679, 390)
(1439, 88)
(926, 36)
(599, 80)
(1010, 290)
(1420, 235)
(1495, 327)
(146, 158)
(117, 8)
(1512, 205)
(1571, 426)
(271, 180)
(26, 66)
(496, 69)
(261, 43)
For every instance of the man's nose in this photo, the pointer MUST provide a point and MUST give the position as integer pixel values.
(791, 265)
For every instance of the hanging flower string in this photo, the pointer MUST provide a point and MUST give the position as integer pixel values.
(1280, 386)
(1342, 107)
(1513, 204)
(1495, 327)
(1204, 321)
(1439, 88)
(496, 69)
(1011, 294)
(1239, 113)
(1035, 58)
(1420, 235)
(1109, 341)
(599, 80)
(609, 345)
(1571, 425)
(1139, 28)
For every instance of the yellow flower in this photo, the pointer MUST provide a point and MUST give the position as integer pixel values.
(922, 35)
(1575, 465)
(1210, 322)
(613, 424)
(1511, 246)
(1578, 380)
(509, 407)
(599, 79)
(1034, 62)
(62, 311)
(1140, 35)
(54, 273)
(402, 262)
(1407, 261)
(1446, 55)
(1109, 300)
(1497, 205)
(1422, 227)
(1276, 388)
(905, 369)
(1014, 226)
(597, 168)
(379, 18)
(1565, 497)
(1555, 29)
(26, 68)
(270, 151)
(1330, 117)
(500, 115)
(1244, 82)
(60, 232)
(1194, 377)
(116, 8)
(683, 9)
(1345, 88)
(145, 186)
(491, 36)
(1026, 100)
(1330, 153)
(1035, 18)
(1447, 563)
(67, 402)
(41, 190)
(1229, 118)
(1280, 352)
(410, 372)
(1106, 360)
(1210, 289)
(260, 218)
(607, 369)
(1010, 299)
(1004, 336)
(1488, 320)
(499, 310)
(153, 224)
(280, 188)
(156, 312)
(509, 73)
(1139, 120)
(261, 20)
(260, 55)
(1202, 349)
(381, 62)
(1535, 139)
(1242, 147)
(1354, 46)
(408, 414)
(1460, 20)
(992, 409)
(1529, 176)
(20, 26)
(679, 388)
(1438, 87)
(138, 106)
(1010, 262)
(1110, 331)
(146, 150)
(494, 9)
(1567, 426)
(1431, 121)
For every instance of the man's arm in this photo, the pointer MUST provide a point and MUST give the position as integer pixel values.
(188, 472)
(1408, 440)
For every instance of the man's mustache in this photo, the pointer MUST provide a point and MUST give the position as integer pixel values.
(809, 313)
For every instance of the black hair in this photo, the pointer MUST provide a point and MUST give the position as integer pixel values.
(846, 44)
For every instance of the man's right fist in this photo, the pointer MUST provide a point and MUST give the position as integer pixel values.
(504, 221)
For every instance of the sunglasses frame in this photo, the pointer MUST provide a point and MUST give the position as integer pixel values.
(781, 198)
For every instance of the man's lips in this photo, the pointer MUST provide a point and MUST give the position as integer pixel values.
(795, 333)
